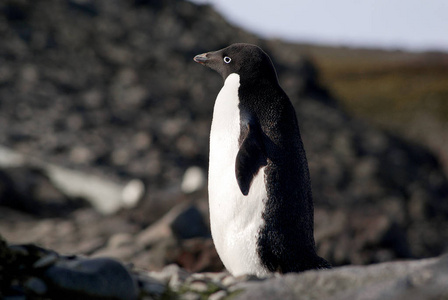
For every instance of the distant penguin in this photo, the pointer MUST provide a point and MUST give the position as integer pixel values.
(261, 207)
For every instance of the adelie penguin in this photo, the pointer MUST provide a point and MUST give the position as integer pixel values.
(261, 207)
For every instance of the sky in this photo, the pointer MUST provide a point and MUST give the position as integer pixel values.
(414, 25)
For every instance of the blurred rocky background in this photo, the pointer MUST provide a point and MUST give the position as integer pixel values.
(104, 123)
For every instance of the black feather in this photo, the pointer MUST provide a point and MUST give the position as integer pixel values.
(251, 156)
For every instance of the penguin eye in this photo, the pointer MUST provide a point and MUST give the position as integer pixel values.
(227, 59)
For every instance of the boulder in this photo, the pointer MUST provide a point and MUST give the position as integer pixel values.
(419, 280)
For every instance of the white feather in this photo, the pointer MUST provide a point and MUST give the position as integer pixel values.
(235, 219)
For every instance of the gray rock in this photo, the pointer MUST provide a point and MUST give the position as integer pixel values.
(169, 272)
(31, 180)
(184, 221)
(28, 188)
(190, 296)
(46, 261)
(150, 286)
(198, 286)
(119, 240)
(132, 193)
(189, 224)
(422, 279)
(93, 278)
(36, 286)
(217, 295)
(105, 195)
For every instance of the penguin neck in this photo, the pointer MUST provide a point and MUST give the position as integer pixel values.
(259, 81)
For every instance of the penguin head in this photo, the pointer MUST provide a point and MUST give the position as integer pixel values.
(246, 60)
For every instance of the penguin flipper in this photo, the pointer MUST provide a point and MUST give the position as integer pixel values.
(250, 158)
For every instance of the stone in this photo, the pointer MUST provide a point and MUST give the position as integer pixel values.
(28, 188)
(422, 279)
(168, 272)
(184, 221)
(119, 240)
(103, 194)
(132, 193)
(198, 286)
(189, 224)
(219, 295)
(191, 296)
(229, 280)
(199, 255)
(93, 278)
(193, 180)
(149, 285)
(36, 286)
(46, 261)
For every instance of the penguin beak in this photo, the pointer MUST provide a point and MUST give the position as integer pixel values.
(201, 58)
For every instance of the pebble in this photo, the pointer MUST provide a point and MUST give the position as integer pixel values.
(229, 280)
(36, 285)
(193, 180)
(149, 285)
(119, 240)
(132, 193)
(199, 286)
(19, 250)
(218, 295)
(191, 296)
(46, 261)
(168, 272)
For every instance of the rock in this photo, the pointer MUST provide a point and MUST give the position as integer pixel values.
(36, 286)
(119, 246)
(37, 187)
(181, 237)
(183, 220)
(193, 180)
(7, 258)
(104, 195)
(218, 295)
(177, 278)
(189, 224)
(423, 279)
(93, 278)
(10, 158)
(30, 189)
(132, 193)
(198, 286)
(199, 255)
(149, 285)
(119, 240)
(170, 271)
(46, 261)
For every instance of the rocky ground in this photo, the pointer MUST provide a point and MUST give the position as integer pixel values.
(104, 122)
(30, 272)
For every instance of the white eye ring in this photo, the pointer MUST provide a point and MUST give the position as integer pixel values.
(227, 59)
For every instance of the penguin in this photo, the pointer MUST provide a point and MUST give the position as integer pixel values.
(260, 201)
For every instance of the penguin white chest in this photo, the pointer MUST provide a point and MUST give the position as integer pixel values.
(235, 219)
